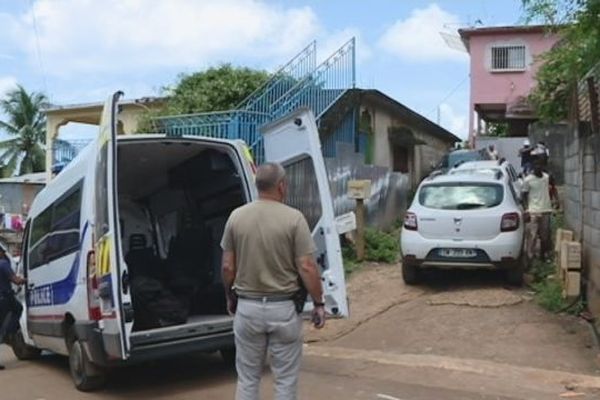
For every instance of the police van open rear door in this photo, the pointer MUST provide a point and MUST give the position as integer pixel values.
(294, 142)
(108, 281)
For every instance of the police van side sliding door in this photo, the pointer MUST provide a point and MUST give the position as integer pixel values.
(294, 142)
(110, 275)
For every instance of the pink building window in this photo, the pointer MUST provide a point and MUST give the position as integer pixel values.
(508, 58)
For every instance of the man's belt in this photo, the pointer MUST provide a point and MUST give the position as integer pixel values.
(268, 298)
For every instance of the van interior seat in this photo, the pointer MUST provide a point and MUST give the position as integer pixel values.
(141, 260)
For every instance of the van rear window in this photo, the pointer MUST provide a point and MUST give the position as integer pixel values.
(461, 196)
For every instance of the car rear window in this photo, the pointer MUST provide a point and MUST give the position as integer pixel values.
(461, 196)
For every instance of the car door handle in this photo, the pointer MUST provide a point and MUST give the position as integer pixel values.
(30, 286)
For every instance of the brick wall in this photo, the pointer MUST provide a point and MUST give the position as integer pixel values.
(582, 184)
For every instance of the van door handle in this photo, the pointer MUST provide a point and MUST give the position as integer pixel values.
(30, 286)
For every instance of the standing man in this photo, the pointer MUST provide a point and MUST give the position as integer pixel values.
(267, 255)
(10, 308)
(538, 200)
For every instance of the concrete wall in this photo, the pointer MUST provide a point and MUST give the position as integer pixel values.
(582, 206)
(554, 135)
(507, 147)
(422, 158)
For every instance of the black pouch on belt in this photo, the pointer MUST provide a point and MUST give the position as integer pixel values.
(300, 298)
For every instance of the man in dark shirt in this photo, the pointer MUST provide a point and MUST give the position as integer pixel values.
(526, 157)
(10, 308)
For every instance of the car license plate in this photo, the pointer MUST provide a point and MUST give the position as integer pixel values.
(457, 253)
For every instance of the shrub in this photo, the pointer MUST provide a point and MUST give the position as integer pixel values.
(381, 246)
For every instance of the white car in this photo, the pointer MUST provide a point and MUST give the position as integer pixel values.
(464, 220)
(492, 167)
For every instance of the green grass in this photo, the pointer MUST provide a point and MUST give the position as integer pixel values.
(549, 295)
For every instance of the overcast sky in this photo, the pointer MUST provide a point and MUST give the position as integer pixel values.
(82, 50)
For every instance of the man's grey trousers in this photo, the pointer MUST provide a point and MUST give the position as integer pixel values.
(274, 326)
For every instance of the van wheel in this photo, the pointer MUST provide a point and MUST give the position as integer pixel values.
(22, 350)
(86, 376)
(228, 355)
(411, 274)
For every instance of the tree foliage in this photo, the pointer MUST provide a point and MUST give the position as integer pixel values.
(215, 89)
(577, 22)
(26, 124)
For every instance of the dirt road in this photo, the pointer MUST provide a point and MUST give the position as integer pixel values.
(461, 336)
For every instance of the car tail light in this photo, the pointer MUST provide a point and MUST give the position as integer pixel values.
(410, 221)
(94, 310)
(510, 222)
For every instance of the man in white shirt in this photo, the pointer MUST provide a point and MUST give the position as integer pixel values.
(539, 203)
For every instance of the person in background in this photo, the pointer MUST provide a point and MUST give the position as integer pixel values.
(10, 308)
(542, 152)
(492, 152)
(539, 201)
(526, 157)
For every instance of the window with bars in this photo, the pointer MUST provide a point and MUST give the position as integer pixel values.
(508, 58)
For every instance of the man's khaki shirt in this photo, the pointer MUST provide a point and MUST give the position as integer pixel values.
(267, 237)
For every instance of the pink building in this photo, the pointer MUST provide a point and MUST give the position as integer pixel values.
(504, 61)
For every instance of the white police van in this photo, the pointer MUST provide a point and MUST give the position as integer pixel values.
(132, 207)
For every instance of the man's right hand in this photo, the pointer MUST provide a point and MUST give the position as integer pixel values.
(318, 317)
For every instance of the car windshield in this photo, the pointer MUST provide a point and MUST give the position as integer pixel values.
(461, 196)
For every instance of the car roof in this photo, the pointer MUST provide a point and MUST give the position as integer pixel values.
(460, 176)
(479, 164)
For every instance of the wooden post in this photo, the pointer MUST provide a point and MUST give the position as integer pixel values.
(360, 190)
(360, 229)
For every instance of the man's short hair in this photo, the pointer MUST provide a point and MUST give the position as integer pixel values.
(268, 176)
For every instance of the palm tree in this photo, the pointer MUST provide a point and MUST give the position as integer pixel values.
(26, 123)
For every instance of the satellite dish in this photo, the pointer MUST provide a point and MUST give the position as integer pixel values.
(454, 41)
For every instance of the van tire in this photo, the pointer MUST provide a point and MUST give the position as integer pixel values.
(411, 274)
(228, 355)
(22, 350)
(86, 376)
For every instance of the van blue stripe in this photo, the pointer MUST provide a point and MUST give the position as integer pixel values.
(59, 292)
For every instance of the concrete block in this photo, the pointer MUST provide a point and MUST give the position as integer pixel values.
(595, 199)
(572, 285)
(570, 256)
(589, 180)
(589, 163)
(562, 235)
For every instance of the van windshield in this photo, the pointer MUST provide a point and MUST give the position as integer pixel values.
(461, 196)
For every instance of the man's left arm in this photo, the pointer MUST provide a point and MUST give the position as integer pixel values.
(228, 267)
(229, 271)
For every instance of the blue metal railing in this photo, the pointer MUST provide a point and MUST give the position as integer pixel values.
(65, 150)
(298, 83)
(281, 81)
(323, 86)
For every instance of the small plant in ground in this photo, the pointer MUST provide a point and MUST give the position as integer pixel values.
(381, 246)
(549, 295)
(351, 264)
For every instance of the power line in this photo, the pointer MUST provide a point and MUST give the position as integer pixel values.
(449, 94)
(38, 48)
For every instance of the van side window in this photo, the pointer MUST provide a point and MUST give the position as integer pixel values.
(55, 232)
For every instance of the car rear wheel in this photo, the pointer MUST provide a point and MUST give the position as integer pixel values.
(411, 274)
(86, 376)
(514, 275)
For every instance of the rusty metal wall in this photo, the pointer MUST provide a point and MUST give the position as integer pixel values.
(16, 198)
(389, 190)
